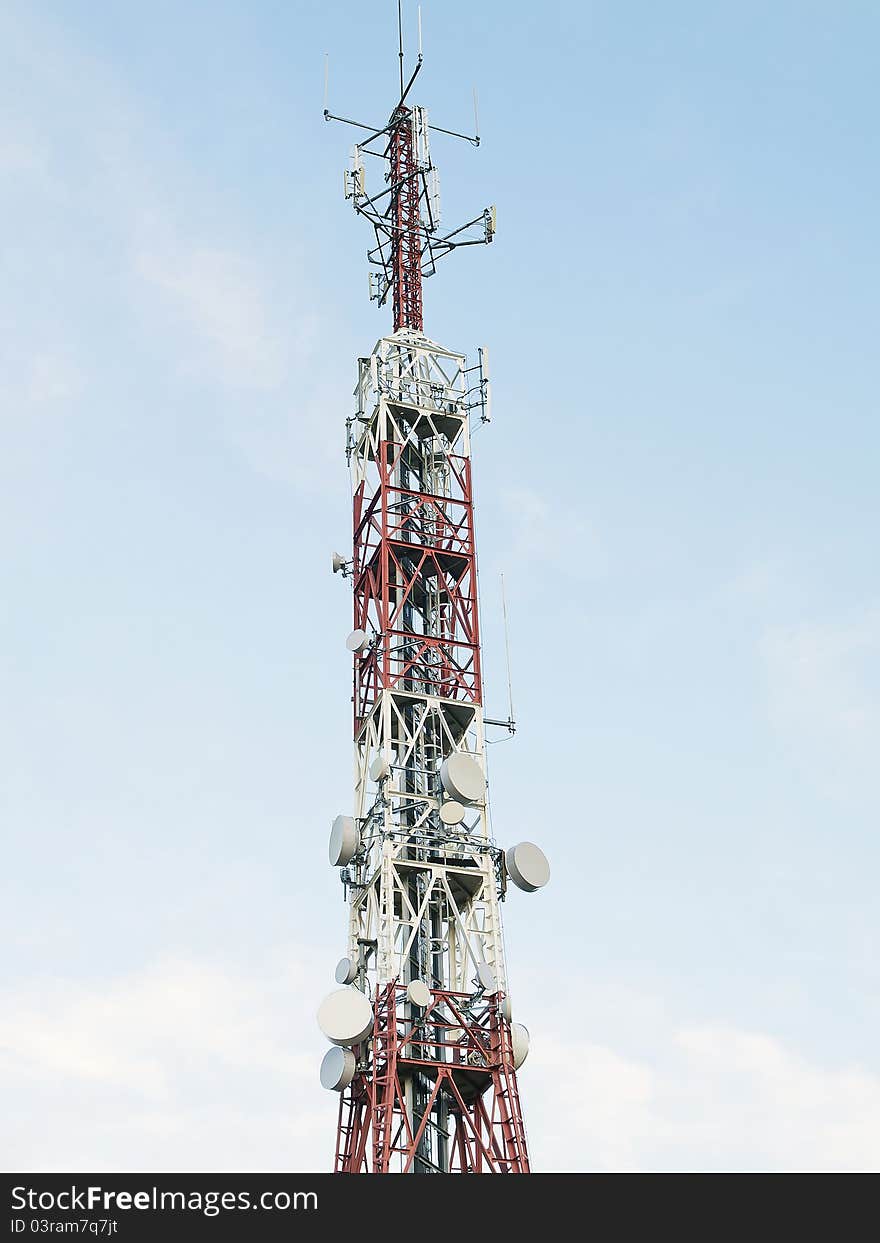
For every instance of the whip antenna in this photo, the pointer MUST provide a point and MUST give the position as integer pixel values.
(507, 653)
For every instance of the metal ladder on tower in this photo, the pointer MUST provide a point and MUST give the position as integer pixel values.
(384, 1082)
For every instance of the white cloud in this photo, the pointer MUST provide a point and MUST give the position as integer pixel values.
(587, 1107)
(765, 1098)
(46, 379)
(708, 1098)
(188, 1065)
(219, 296)
(54, 378)
(548, 533)
(234, 324)
(823, 683)
(285, 413)
(22, 152)
(184, 1065)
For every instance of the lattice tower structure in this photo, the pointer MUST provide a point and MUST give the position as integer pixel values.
(425, 1054)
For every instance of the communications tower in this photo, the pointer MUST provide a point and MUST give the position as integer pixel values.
(425, 1051)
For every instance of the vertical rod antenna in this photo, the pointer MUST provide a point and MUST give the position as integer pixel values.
(400, 40)
(507, 651)
(419, 10)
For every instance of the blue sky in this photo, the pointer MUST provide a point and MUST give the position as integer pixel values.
(679, 485)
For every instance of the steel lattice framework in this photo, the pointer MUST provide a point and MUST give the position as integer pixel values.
(377, 1126)
(432, 1086)
(406, 242)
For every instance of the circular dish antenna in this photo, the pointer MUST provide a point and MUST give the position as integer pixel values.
(419, 994)
(463, 778)
(451, 812)
(528, 866)
(337, 1069)
(345, 1016)
(358, 641)
(520, 1041)
(486, 978)
(505, 1007)
(380, 768)
(344, 841)
(346, 970)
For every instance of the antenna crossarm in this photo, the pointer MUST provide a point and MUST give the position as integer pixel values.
(405, 214)
(372, 129)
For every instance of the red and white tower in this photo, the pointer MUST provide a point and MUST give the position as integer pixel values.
(425, 1051)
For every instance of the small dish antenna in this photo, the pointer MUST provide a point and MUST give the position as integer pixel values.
(345, 840)
(486, 978)
(462, 778)
(337, 1069)
(519, 1038)
(451, 812)
(346, 971)
(419, 994)
(345, 1016)
(527, 866)
(380, 768)
(358, 642)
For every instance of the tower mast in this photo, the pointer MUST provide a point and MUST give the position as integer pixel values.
(424, 1051)
(406, 247)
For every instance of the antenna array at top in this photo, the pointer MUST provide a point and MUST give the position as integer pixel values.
(405, 215)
